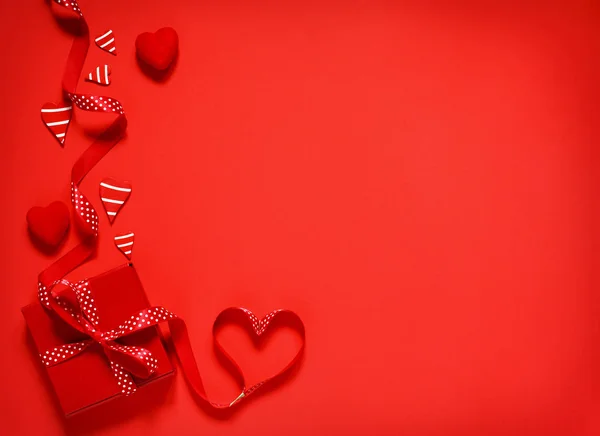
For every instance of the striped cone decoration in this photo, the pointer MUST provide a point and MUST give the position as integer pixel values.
(57, 120)
(114, 194)
(100, 75)
(124, 243)
(106, 42)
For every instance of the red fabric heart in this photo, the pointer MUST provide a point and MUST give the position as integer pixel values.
(158, 49)
(49, 224)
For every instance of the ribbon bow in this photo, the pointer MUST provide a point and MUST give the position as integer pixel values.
(125, 360)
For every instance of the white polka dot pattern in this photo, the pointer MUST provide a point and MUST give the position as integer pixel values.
(95, 103)
(260, 325)
(64, 352)
(85, 211)
(144, 319)
(86, 302)
(124, 379)
(71, 4)
(42, 295)
(63, 303)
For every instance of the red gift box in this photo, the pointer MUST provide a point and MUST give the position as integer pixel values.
(87, 379)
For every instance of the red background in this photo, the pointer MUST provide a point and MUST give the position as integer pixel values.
(415, 179)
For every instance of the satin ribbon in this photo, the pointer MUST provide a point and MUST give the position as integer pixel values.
(125, 360)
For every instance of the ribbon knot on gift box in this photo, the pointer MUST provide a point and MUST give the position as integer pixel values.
(81, 313)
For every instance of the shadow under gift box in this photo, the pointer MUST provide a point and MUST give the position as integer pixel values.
(87, 379)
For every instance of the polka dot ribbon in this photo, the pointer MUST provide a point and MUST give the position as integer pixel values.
(126, 360)
(86, 216)
(82, 315)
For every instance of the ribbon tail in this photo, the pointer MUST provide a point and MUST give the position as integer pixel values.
(124, 379)
(63, 352)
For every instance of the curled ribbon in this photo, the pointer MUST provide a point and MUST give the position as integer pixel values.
(124, 360)
(86, 216)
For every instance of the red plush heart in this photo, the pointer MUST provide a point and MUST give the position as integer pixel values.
(158, 49)
(49, 224)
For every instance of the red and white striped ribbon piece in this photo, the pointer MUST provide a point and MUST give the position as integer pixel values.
(57, 119)
(114, 194)
(124, 243)
(100, 75)
(106, 42)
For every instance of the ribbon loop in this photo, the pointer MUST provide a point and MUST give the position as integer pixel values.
(138, 361)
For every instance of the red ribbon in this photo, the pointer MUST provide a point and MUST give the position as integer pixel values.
(125, 360)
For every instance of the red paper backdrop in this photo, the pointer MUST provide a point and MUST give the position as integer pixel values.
(415, 179)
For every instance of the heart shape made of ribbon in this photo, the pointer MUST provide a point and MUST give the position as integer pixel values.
(258, 327)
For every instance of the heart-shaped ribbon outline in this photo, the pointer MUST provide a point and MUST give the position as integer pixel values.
(258, 327)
